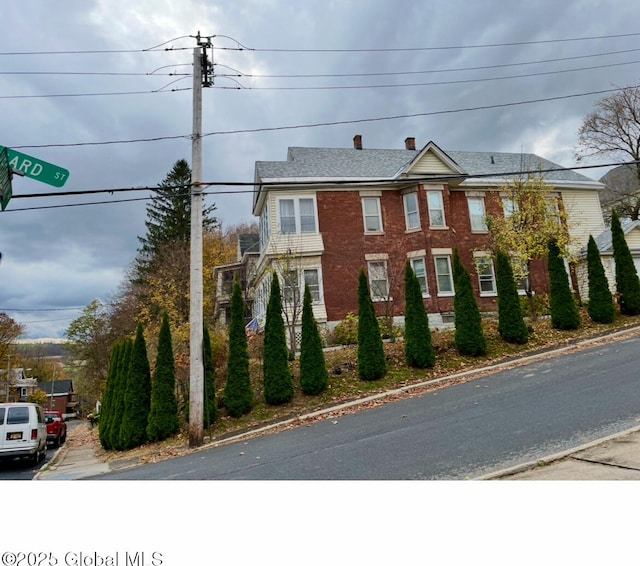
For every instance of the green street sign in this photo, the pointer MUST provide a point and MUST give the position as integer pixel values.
(36, 168)
(5, 179)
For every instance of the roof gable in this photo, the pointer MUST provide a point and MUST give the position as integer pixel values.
(431, 160)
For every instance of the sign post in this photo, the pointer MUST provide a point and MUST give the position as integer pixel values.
(5, 178)
(34, 168)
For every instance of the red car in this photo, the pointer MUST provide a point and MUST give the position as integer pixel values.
(56, 427)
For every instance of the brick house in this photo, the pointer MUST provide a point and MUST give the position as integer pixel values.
(61, 396)
(327, 212)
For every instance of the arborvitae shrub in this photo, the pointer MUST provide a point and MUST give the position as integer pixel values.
(627, 282)
(209, 409)
(511, 325)
(313, 370)
(372, 363)
(418, 347)
(600, 308)
(564, 310)
(278, 382)
(107, 398)
(163, 416)
(117, 412)
(137, 397)
(469, 336)
(238, 395)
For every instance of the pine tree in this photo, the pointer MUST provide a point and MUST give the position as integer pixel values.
(278, 383)
(313, 370)
(209, 407)
(511, 325)
(418, 347)
(117, 412)
(137, 397)
(169, 214)
(238, 395)
(107, 398)
(163, 414)
(600, 308)
(372, 363)
(627, 282)
(564, 310)
(469, 336)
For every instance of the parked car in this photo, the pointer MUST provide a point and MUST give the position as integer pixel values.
(56, 427)
(23, 432)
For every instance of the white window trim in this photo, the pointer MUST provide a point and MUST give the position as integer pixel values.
(377, 298)
(296, 214)
(320, 300)
(422, 258)
(376, 199)
(405, 197)
(477, 198)
(435, 265)
(486, 257)
(433, 226)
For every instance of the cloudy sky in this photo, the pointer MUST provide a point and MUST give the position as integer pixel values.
(102, 88)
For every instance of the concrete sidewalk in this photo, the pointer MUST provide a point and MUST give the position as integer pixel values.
(615, 457)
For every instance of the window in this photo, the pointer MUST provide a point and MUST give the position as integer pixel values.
(1, 415)
(486, 275)
(378, 280)
(477, 214)
(312, 280)
(18, 415)
(436, 209)
(443, 275)
(297, 215)
(307, 216)
(411, 212)
(290, 290)
(509, 207)
(371, 213)
(264, 228)
(419, 268)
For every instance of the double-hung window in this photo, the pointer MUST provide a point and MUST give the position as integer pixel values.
(477, 214)
(509, 207)
(486, 275)
(312, 280)
(443, 275)
(372, 214)
(420, 269)
(378, 280)
(297, 215)
(411, 212)
(436, 209)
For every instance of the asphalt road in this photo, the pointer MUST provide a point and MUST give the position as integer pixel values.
(459, 432)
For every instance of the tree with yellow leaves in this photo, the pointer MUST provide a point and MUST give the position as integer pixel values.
(533, 216)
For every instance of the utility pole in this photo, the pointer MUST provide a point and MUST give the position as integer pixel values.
(8, 374)
(201, 69)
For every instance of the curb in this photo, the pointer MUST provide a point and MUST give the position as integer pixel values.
(553, 457)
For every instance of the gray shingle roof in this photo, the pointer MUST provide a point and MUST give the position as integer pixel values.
(339, 163)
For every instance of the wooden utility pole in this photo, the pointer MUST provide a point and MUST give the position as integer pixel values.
(196, 361)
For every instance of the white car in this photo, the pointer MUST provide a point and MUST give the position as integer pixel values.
(23, 432)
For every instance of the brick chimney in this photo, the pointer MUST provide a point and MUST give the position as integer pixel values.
(357, 141)
(410, 143)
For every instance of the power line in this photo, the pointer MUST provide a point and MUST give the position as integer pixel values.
(82, 94)
(436, 83)
(241, 47)
(429, 71)
(332, 123)
(318, 184)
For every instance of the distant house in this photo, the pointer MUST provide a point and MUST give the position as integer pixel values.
(326, 213)
(60, 397)
(19, 386)
(244, 268)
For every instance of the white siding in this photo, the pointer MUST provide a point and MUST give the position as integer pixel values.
(430, 164)
(584, 216)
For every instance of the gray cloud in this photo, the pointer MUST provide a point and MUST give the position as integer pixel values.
(66, 257)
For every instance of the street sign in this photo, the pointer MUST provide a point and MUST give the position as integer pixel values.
(5, 179)
(37, 169)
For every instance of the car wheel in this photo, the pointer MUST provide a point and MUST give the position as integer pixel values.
(56, 442)
(63, 439)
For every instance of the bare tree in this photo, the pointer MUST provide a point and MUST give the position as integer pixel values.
(613, 129)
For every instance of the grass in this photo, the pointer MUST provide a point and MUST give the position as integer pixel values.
(345, 385)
